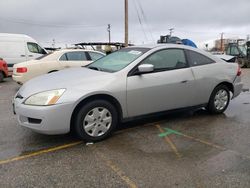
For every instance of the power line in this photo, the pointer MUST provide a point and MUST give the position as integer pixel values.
(145, 19)
(140, 21)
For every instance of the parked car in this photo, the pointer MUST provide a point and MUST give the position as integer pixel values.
(55, 61)
(17, 48)
(227, 58)
(130, 83)
(3, 69)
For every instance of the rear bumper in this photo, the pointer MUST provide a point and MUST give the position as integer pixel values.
(18, 78)
(238, 86)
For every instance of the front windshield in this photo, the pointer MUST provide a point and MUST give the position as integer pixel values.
(118, 60)
(243, 50)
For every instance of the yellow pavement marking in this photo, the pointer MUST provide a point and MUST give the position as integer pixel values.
(140, 126)
(215, 146)
(169, 141)
(204, 142)
(40, 152)
(121, 174)
(210, 144)
(116, 169)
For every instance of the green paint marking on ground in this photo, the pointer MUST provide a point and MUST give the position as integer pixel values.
(168, 132)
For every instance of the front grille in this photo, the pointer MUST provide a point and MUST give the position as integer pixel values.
(34, 121)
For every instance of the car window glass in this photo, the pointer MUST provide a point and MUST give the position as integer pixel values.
(35, 48)
(167, 59)
(32, 47)
(118, 60)
(94, 56)
(63, 57)
(76, 56)
(197, 59)
(235, 51)
(41, 50)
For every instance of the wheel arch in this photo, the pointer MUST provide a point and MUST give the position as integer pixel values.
(106, 97)
(4, 74)
(228, 85)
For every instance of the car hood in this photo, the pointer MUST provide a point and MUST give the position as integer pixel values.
(73, 78)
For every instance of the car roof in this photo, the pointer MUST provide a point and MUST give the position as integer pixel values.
(181, 46)
(167, 45)
(73, 50)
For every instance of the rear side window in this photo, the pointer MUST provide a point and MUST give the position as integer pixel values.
(35, 48)
(197, 59)
(74, 56)
(63, 58)
(94, 56)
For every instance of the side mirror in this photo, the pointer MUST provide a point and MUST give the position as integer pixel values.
(145, 68)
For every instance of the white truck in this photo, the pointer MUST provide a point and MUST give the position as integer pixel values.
(17, 48)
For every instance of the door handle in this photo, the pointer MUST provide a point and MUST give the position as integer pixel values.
(22, 55)
(184, 81)
(67, 66)
(30, 55)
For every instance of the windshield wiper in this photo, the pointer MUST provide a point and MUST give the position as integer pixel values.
(94, 68)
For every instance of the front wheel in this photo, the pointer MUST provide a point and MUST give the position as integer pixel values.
(219, 100)
(96, 120)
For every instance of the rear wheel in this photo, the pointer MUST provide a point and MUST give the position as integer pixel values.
(219, 100)
(96, 120)
(1, 76)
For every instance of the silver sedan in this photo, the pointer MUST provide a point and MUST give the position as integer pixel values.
(130, 83)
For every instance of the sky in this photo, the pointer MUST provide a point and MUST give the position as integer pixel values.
(74, 21)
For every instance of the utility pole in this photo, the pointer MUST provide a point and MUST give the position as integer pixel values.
(108, 29)
(126, 22)
(53, 43)
(221, 42)
(171, 30)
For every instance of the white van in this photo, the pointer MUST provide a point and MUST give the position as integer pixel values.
(17, 48)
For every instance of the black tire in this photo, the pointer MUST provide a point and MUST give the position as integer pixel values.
(212, 108)
(79, 122)
(1, 76)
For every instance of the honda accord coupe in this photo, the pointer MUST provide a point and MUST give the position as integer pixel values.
(127, 84)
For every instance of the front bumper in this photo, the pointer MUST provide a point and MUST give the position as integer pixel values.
(54, 119)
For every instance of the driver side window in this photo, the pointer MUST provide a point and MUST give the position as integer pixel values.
(168, 59)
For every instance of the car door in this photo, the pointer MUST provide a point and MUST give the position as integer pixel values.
(206, 73)
(170, 86)
(74, 59)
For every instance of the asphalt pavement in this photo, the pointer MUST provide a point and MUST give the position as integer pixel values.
(187, 149)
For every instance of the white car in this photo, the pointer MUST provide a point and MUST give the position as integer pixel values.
(55, 61)
(17, 48)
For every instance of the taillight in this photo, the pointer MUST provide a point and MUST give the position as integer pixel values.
(239, 71)
(21, 69)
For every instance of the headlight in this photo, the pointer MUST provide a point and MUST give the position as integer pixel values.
(45, 98)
